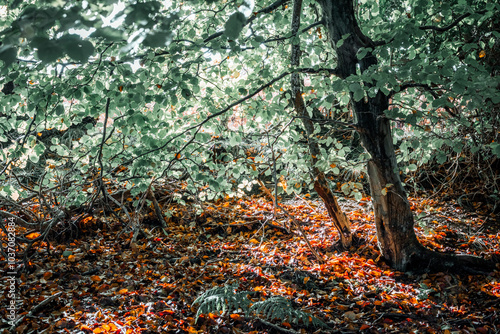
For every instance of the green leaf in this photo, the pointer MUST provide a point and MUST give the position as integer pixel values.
(142, 13)
(495, 149)
(109, 34)
(441, 157)
(358, 95)
(48, 50)
(412, 167)
(234, 25)
(186, 93)
(342, 40)
(363, 52)
(76, 48)
(8, 55)
(357, 195)
(235, 139)
(158, 39)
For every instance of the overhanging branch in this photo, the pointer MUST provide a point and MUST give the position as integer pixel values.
(427, 88)
(450, 26)
(311, 70)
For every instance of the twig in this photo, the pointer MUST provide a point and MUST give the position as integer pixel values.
(33, 311)
(19, 219)
(121, 207)
(278, 328)
(157, 208)
(200, 124)
(301, 230)
(265, 10)
(454, 23)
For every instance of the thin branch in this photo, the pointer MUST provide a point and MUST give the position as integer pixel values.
(310, 70)
(303, 233)
(265, 10)
(33, 311)
(19, 219)
(331, 121)
(103, 141)
(450, 26)
(428, 89)
(276, 327)
(229, 107)
(312, 25)
(45, 191)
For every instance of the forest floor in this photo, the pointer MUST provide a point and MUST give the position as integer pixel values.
(102, 282)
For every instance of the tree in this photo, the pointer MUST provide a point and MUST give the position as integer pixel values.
(161, 80)
(393, 215)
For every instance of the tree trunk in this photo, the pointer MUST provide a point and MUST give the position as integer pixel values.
(393, 216)
(340, 220)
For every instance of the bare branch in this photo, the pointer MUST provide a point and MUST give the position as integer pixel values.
(310, 70)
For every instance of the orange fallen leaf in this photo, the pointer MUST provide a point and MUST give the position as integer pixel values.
(33, 235)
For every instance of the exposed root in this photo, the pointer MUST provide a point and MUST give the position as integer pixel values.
(426, 260)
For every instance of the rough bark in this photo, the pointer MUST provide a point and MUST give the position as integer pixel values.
(393, 216)
(340, 220)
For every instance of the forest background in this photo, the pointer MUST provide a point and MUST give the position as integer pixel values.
(336, 162)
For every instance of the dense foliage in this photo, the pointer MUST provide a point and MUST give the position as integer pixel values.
(196, 89)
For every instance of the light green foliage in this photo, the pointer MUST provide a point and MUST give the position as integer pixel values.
(227, 300)
(169, 70)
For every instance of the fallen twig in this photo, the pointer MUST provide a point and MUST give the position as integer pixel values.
(33, 311)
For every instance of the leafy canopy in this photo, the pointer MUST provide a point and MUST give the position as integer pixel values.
(199, 90)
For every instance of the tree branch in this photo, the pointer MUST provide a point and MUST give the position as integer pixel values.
(312, 25)
(453, 24)
(200, 124)
(310, 70)
(34, 310)
(265, 10)
(428, 89)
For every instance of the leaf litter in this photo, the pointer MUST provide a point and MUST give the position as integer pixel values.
(105, 283)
